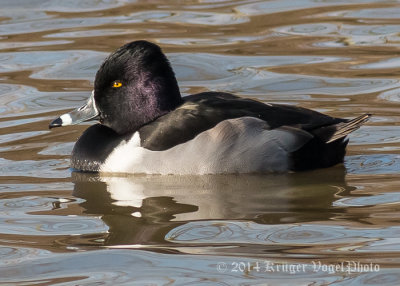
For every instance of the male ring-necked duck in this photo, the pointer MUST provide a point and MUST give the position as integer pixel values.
(147, 127)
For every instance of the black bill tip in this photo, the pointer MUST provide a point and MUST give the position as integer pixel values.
(55, 123)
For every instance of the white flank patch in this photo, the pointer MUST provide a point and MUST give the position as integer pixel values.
(125, 156)
(66, 119)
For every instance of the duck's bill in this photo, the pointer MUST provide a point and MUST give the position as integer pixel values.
(84, 113)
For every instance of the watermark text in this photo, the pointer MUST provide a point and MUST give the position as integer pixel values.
(267, 266)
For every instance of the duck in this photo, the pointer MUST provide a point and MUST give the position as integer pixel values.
(145, 126)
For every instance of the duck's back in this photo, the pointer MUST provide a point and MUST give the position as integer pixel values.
(203, 111)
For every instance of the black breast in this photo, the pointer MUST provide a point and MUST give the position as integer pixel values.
(94, 146)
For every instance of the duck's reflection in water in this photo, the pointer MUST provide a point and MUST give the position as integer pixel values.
(141, 210)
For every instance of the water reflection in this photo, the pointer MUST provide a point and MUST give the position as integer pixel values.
(141, 210)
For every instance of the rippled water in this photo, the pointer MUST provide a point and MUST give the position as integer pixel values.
(338, 226)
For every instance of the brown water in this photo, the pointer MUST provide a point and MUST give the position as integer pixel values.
(339, 57)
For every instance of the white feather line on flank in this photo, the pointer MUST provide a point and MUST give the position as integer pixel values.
(241, 145)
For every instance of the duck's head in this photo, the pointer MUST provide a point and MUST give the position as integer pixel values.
(134, 86)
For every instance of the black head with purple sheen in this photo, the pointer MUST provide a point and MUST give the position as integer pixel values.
(134, 86)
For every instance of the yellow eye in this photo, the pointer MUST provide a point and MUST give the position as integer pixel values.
(116, 84)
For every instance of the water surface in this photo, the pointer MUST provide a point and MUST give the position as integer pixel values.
(337, 226)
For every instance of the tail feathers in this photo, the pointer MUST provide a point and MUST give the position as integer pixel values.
(345, 128)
